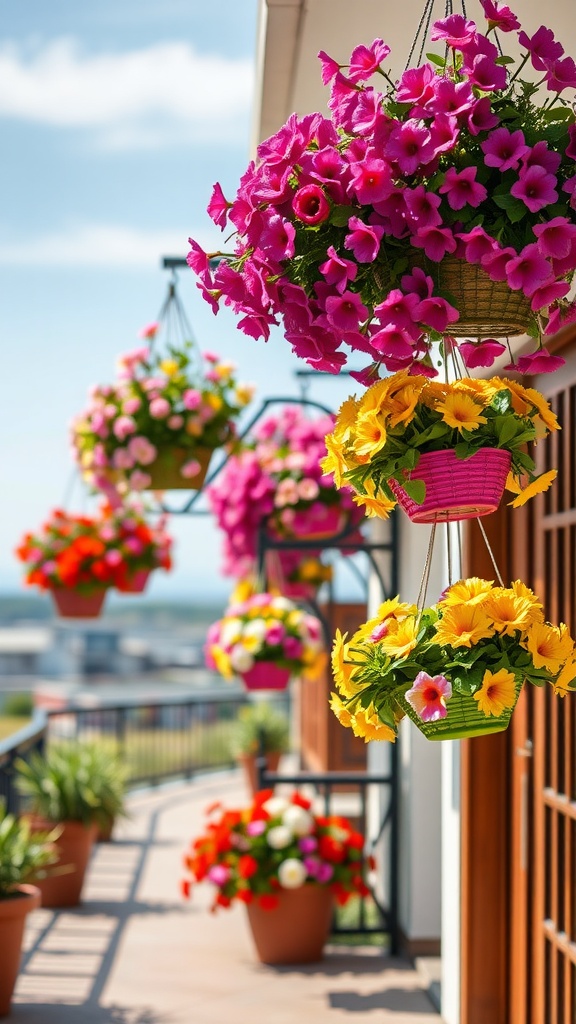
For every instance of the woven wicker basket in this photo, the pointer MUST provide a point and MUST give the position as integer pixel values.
(165, 470)
(464, 719)
(488, 309)
(456, 488)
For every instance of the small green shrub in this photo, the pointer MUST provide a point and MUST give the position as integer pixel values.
(24, 856)
(72, 783)
(260, 724)
(18, 705)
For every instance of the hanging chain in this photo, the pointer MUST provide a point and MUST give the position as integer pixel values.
(423, 29)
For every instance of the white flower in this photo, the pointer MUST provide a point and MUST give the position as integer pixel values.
(240, 659)
(291, 873)
(256, 628)
(282, 604)
(279, 837)
(298, 820)
(275, 806)
(230, 632)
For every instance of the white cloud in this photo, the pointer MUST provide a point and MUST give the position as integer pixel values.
(100, 245)
(166, 89)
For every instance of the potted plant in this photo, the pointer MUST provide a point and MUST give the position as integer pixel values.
(77, 558)
(24, 858)
(456, 669)
(444, 451)
(265, 640)
(259, 729)
(108, 785)
(300, 583)
(65, 788)
(157, 425)
(286, 864)
(443, 206)
(273, 482)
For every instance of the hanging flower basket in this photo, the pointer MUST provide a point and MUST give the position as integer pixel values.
(175, 469)
(443, 451)
(442, 206)
(487, 308)
(136, 583)
(265, 640)
(296, 930)
(456, 489)
(266, 675)
(77, 604)
(320, 522)
(456, 669)
(464, 720)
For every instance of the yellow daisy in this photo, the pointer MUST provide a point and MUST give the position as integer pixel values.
(508, 611)
(372, 505)
(401, 637)
(497, 693)
(340, 710)
(544, 411)
(403, 404)
(367, 725)
(463, 626)
(342, 668)
(169, 367)
(550, 646)
(370, 435)
(519, 589)
(334, 462)
(222, 661)
(346, 420)
(461, 411)
(540, 484)
(566, 681)
(470, 591)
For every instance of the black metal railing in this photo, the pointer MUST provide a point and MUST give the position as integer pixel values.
(20, 744)
(377, 913)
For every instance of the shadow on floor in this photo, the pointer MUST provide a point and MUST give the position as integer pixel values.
(88, 1013)
(348, 961)
(398, 1000)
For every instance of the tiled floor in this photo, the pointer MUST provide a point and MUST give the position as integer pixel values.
(135, 953)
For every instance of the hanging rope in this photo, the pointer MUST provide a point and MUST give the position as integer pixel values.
(421, 34)
(421, 599)
(172, 317)
(491, 553)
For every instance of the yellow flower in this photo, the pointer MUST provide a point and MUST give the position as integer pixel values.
(370, 435)
(342, 668)
(519, 589)
(483, 389)
(214, 401)
(545, 413)
(513, 483)
(470, 591)
(540, 484)
(224, 371)
(242, 591)
(463, 626)
(392, 608)
(550, 646)
(367, 725)
(401, 637)
(340, 710)
(497, 693)
(313, 663)
(169, 367)
(244, 393)
(461, 411)
(222, 661)
(346, 420)
(374, 399)
(373, 506)
(334, 462)
(566, 681)
(403, 404)
(508, 611)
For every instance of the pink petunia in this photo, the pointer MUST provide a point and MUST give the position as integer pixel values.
(435, 241)
(542, 156)
(436, 313)
(527, 271)
(345, 312)
(495, 261)
(148, 332)
(504, 149)
(461, 188)
(542, 47)
(422, 208)
(123, 427)
(428, 696)
(548, 293)
(330, 67)
(397, 309)
(501, 18)
(310, 205)
(456, 30)
(487, 75)
(477, 244)
(366, 60)
(535, 188)
(410, 146)
(416, 85)
(561, 74)
(539, 362)
(481, 117)
(218, 207)
(393, 341)
(337, 270)
(555, 237)
(363, 240)
(480, 353)
(371, 180)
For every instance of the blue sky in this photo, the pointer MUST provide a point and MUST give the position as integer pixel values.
(116, 118)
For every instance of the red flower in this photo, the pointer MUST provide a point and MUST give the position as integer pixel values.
(245, 895)
(185, 887)
(268, 901)
(247, 866)
(301, 801)
(331, 850)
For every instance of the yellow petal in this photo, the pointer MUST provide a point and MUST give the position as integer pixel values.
(540, 484)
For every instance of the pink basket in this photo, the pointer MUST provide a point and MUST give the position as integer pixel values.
(456, 488)
(266, 675)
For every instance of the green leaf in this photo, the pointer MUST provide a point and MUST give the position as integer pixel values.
(514, 208)
(435, 59)
(504, 60)
(415, 489)
(340, 216)
(557, 114)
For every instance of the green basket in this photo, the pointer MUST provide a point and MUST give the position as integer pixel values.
(464, 720)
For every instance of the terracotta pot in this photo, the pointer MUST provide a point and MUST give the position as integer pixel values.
(266, 675)
(165, 470)
(248, 762)
(136, 583)
(74, 846)
(295, 931)
(456, 488)
(13, 913)
(104, 831)
(71, 604)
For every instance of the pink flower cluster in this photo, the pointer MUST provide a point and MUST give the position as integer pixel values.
(340, 221)
(155, 404)
(276, 480)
